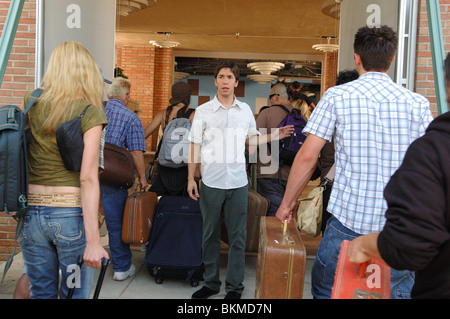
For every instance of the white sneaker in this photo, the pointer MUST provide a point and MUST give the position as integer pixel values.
(122, 275)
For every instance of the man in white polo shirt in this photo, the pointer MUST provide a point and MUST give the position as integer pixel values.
(220, 130)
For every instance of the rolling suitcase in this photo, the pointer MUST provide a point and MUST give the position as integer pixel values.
(101, 277)
(138, 217)
(370, 280)
(257, 208)
(175, 246)
(280, 270)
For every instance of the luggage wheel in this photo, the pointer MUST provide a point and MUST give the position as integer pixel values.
(159, 280)
(194, 283)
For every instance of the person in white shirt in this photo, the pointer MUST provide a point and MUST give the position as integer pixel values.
(220, 131)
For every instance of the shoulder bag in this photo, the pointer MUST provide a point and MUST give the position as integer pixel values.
(118, 167)
(309, 212)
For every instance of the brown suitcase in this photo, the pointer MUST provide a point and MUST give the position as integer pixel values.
(280, 271)
(257, 208)
(138, 217)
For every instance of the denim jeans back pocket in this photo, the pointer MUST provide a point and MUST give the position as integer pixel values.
(66, 229)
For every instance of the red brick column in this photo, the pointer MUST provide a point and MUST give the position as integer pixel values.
(329, 70)
(138, 64)
(18, 79)
(20, 72)
(164, 66)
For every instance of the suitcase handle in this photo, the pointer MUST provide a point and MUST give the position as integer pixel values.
(105, 262)
(101, 276)
(72, 289)
(285, 227)
(286, 234)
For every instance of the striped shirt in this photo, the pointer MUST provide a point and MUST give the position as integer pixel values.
(373, 120)
(124, 127)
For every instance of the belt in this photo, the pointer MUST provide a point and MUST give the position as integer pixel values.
(55, 199)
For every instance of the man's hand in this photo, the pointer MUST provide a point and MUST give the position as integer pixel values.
(282, 132)
(283, 214)
(192, 189)
(364, 248)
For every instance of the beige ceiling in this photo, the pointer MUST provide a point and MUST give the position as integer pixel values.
(286, 27)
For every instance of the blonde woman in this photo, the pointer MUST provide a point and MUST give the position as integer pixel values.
(61, 221)
(298, 102)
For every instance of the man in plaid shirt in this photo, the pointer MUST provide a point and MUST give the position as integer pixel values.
(373, 121)
(125, 130)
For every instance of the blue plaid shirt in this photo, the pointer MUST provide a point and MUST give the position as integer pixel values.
(124, 127)
(374, 120)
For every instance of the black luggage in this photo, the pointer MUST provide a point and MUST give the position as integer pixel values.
(101, 276)
(174, 249)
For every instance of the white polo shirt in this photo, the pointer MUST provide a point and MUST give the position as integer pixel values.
(222, 134)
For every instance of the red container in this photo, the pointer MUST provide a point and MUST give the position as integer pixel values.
(370, 280)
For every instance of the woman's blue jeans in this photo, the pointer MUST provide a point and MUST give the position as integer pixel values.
(113, 200)
(325, 264)
(51, 239)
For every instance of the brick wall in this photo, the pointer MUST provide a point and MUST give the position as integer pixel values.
(164, 66)
(138, 64)
(18, 79)
(329, 70)
(19, 75)
(150, 72)
(424, 83)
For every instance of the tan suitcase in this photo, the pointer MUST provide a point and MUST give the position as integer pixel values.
(138, 217)
(257, 208)
(280, 271)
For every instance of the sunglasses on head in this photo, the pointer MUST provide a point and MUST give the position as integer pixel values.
(272, 95)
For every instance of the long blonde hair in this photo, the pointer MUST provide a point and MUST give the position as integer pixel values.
(72, 74)
(301, 105)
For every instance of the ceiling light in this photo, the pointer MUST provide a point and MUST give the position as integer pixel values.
(331, 8)
(326, 47)
(177, 76)
(262, 78)
(165, 44)
(265, 67)
(124, 7)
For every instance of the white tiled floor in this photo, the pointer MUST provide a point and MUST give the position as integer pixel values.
(143, 285)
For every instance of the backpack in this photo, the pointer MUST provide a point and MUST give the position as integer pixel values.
(14, 162)
(174, 145)
(289, 146)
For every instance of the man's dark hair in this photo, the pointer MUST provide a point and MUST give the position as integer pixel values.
(376, 47)
(296, 85)
(346, 76)
(230, 65)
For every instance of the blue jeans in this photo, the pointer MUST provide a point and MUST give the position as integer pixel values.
(324, 268)
(52, 238)
(113, 200)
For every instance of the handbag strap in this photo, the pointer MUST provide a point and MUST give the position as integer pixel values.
(33, 98)
(84, 111)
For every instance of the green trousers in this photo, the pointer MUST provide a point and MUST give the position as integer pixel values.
(233, 203)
